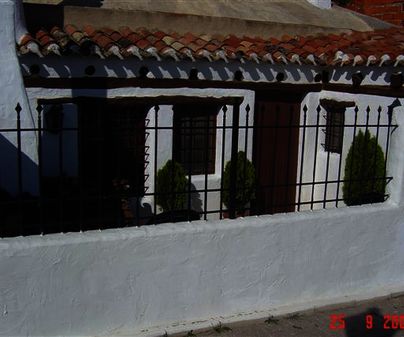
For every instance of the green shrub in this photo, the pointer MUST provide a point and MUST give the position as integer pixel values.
(245, 182)
(364, 171)
(172, 183)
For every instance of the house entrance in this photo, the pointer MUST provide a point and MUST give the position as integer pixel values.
(275, 155)
(112, 153)
(112, 146)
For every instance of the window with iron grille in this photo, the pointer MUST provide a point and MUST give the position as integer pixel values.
(194, 137)
(334, 132)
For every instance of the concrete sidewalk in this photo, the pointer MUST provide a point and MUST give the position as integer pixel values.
(377, 313)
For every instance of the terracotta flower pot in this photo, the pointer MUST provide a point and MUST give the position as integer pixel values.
(238, 214)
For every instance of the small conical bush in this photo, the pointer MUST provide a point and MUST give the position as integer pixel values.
(364, 171)
(171, 186)
(245, 182)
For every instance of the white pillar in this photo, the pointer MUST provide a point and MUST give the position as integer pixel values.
(11, 82)
(19, 17)
(395, 160)
(12, 92)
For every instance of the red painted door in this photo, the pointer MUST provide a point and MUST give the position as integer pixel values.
(276, 141)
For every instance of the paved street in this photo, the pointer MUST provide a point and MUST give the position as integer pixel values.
(384, 317)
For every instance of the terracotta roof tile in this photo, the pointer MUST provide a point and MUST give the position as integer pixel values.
(160, 45)
(200, 42)
(211, 47)
(286, 38)
(143, 32)
(62, 39)
(143, 44)
(379, 47)
(177, 46)
(44, 38)
(186, 40)
(160, 35)
(309, 48)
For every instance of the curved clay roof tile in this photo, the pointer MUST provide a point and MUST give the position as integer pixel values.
(368, 48)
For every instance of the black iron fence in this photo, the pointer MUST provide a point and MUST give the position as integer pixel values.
(96, 164)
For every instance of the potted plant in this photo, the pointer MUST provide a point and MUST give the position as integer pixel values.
(245, 184)
(364, 180)
(171, 189)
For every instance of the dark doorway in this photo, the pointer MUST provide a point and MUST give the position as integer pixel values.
(112, 145)
(112, 154)
(276, 141)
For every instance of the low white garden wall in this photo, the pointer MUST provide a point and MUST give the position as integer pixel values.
(153, 278)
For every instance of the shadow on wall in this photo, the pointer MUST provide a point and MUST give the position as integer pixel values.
(194, 213)
(196, 202)
(14, 214)
(9, 169)
(371, 323)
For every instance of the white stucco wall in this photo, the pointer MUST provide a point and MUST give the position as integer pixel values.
(142, 281)
(319, 172)
(325, 4)
(12, 92)
(74, 67)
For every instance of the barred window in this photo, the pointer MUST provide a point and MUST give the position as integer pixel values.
(334, 132)
(194, 137)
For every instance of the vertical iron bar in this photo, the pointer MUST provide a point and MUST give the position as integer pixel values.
(116, 120)
(224, 109)
(302, 157)
(366, 147)
(100, 154)
(247, 110)
(205, 198)
(39, 109)
(173, 194)
(287, 185)
(326, 180)
(140, 128)
(379, 110)
(367, 119)
(156, 110)
(353, 152)
(273, 186)
(258, 131)
(234, 154)
(340, 162)
(19, 169)
(61, 176)
(315, 157)
(145, 217)
(390, 117)
(183, 129)
(327, 171)
(80, 136)
(19, 153)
